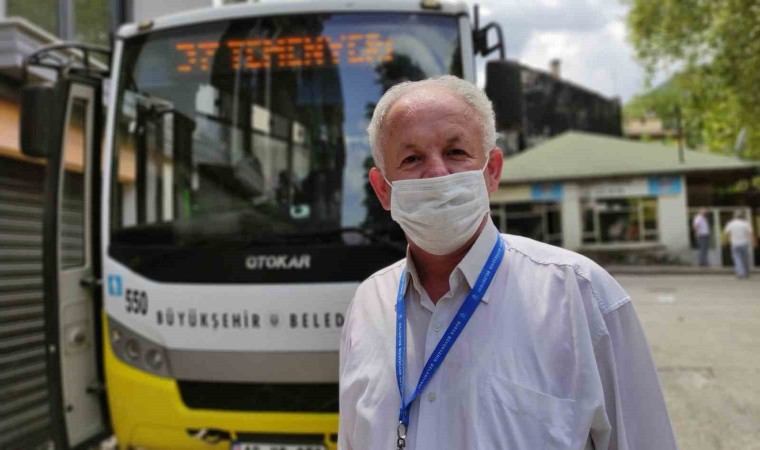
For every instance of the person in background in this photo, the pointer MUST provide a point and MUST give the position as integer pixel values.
(702, 232)
(739, 232)
(479, 340)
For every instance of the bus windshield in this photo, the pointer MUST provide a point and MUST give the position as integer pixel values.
(255, 129)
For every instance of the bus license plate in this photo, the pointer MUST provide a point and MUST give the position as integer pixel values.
(265, 446)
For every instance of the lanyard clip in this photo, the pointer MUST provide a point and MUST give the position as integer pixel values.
(401, 433)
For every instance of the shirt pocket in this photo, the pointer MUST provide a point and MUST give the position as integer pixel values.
(515, 417)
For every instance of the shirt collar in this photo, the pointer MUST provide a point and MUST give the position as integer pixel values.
(412, 279)
(470, 266)
(474, 261)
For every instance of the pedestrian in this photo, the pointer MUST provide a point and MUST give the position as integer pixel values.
(702, 233)
(740, 234)
(479, 340)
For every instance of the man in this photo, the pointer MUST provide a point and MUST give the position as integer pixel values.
(496, 341)
(702, 233)
(740, 234)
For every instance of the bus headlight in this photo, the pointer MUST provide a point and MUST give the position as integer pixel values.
(132, 348)
(136, 350)
(154, 358)
(115, 336)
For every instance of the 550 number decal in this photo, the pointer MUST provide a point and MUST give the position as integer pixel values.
(137, 301)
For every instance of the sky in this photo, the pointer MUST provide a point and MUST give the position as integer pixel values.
(588, 36)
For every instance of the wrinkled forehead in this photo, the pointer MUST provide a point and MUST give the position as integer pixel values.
(427, 99)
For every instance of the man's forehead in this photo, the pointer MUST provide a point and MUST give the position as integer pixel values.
(425, 98)
(450, 137)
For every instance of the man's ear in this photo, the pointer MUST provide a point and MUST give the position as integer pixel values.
(381, 188)
(493, 172)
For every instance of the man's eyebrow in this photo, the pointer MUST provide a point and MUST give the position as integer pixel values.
(454, 139)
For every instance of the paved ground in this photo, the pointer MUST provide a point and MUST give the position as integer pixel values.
(704, 332)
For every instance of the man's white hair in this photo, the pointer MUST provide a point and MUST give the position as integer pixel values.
(473, 96)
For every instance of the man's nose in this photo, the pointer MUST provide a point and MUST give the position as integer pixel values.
(435, 167)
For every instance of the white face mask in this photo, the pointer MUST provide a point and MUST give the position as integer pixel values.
(440, 214)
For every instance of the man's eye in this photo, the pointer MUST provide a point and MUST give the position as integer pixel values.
(457, 152)
(410, 159)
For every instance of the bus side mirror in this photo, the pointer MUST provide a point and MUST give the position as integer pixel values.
(480, 36)
(39, 125)
(504, 88)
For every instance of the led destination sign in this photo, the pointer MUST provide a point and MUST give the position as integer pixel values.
(285, 52)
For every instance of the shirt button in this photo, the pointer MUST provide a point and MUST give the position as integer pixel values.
(436, 326)
(431, 397)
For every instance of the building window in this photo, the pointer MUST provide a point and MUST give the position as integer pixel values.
(539, 221)
(616, 220)
(43, 13)
(87, 20)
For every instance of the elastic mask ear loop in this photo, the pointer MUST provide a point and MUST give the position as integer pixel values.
(386, 180)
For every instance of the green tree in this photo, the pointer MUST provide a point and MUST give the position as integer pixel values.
(717, 45)
(91, 21)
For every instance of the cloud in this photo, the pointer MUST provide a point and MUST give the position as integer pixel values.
(599, 60)
(588, 36)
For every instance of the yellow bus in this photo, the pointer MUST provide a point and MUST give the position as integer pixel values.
(196, 298)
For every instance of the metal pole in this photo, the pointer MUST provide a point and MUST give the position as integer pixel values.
(680, 134)
(717, 233)
(120, 13)
(116, 17)
(66, 17)
(751, 220)
(642, 221)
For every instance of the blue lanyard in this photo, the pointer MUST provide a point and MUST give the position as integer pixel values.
(447, 341)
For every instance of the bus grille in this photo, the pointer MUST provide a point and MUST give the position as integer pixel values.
(260, 397)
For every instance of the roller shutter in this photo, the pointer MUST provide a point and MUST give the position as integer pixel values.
(24, 406)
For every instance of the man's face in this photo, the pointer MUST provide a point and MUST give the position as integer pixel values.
(428, 133)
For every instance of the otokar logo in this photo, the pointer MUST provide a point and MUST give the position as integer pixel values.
(278, 262)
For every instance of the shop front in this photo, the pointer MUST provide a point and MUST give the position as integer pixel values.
(614, 200)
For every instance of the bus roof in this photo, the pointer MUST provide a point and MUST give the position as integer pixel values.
(280, 7)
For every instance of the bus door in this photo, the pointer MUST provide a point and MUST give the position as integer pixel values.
(61, 122)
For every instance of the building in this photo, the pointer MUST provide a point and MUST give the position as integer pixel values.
(648, 127)
(611, 198)
(26, 26)
(655, 115)
(552, 105)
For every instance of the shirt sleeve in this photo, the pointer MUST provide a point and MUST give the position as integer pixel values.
(634, 415)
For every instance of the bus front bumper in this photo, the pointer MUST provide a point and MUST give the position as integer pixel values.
(147, 412)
